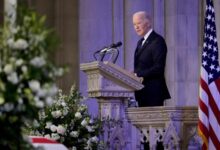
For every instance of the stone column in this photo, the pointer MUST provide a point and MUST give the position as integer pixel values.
(182, 36)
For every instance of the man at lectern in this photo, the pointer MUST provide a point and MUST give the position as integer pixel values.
(149, 62)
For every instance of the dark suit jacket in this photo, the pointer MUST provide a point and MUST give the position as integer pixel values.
(149, 63)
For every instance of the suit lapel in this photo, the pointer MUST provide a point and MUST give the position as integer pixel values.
(140, 50)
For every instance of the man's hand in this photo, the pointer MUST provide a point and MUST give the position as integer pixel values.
(141, 79)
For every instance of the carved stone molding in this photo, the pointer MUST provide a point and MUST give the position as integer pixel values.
(173, 128)
(108, 80)
(145, 116)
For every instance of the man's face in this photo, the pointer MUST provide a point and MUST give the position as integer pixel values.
(141, 25)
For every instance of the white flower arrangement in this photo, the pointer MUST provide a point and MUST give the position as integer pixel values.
(27, 76)
(67, 121)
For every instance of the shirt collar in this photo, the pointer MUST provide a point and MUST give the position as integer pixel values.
(147, 34)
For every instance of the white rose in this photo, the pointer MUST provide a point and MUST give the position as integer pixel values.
(53, 128)
(90, 129)
(20, 44)
(78, 115)
(63, 104)
(10, 42)
(48, 125)
(55, 136)
(39, 104)
(74, 134)
(47, 136)
(84, 123)
(13, 78)
(19, 62)
(38, 61)
(8, 69)
(91, 121)
(74, 148)
(24, 69)
(94, 139)
(8, 107)
(56, 114)
(82, 108)
(36, 123)
(61, 129)
(65, 111)
(34, 85)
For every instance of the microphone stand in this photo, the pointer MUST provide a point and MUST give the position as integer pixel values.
(114, 53)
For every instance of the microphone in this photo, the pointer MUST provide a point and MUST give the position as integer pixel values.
(114, 45)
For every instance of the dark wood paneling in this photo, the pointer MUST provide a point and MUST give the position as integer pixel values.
(1, 11)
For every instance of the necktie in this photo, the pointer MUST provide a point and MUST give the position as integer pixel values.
(140, 42)
(139, 45)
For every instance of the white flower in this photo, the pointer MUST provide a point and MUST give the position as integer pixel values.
(13, 78)
(53, 128)
(90, 129)
(20, 44)
(36, 123)
(24, 69)
(78, 115)
(55, 136)
(74, 148)
(10, 42)
(39, 104)
(15, 30)
(38, 61)
(74, 134)
(34, 85)
(49, 101)
(47, 136)
(65, 111)
(8, 107)
(48, 125)
(19, 62)
(20, 101)
(89, 143)
(61, 129)
(84, 123)
(94, 139)
(91, 121)
(63, 104)
(8, 69)
(56, 114)
(82, 108)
